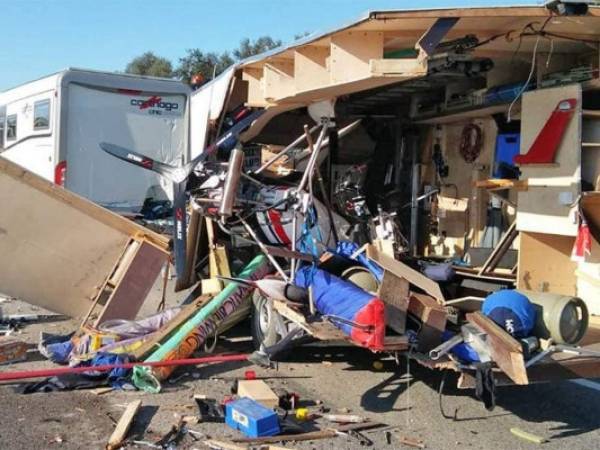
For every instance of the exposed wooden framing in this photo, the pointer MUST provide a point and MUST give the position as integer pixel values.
(401, 270)
(500, 250)
(278, 79)
(253, 76)
(134, 285)
(351, 53)
(311, 67)
(505, 350)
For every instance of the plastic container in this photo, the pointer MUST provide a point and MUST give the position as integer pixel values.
(507, 147)
(251, 418)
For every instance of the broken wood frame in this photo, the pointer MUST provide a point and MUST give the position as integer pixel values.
(128, 284)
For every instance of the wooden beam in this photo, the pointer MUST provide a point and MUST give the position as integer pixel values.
(311, 67)
(401, 270)
(500, 250)
(505, 350)
(396, 67)
(501, 183)
(278, 79)
(122, 428)
(351, 52)
(170, 327)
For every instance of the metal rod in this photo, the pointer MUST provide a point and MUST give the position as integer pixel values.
(285, 151)
(313, 157)
(264, 249)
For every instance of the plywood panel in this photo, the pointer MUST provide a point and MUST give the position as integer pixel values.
(56, 248)
(278, 79)
(546, 209)
(351, 52)
(131, 291)
(310, 67)
(545, 263)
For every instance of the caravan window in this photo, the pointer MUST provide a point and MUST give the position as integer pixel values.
(41, 115)
(11, 128)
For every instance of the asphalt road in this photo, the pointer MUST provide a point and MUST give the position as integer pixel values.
(342, 379)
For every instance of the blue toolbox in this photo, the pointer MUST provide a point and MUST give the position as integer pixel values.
(251, 418)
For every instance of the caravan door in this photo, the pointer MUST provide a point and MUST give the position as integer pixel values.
(149, 123)
(28, 136)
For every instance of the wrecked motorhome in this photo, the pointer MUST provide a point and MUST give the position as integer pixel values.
(423, 183)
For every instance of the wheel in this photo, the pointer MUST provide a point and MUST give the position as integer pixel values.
(263, 326)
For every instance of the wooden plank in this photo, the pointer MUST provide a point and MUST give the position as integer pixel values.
(170, 327)
(500, 183)
(401, 270)
(394, 292)
(549, 371)
(505, 350)
(501, 248)
(123, 426)
(259, 391)
(545, 263)
(129, 295)
(433, 318)
(395, 67)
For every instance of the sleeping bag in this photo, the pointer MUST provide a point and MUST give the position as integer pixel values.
(341, 299)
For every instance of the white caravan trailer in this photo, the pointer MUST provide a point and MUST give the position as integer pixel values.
(52, 126)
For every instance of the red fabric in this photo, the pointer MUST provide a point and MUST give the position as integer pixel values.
(373, 313)
(583, 242)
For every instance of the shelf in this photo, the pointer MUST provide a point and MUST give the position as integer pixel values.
(591, 114)
(466, 113)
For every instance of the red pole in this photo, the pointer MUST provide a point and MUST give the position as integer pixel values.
(43, 373)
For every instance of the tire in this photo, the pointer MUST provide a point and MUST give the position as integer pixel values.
(263, 327)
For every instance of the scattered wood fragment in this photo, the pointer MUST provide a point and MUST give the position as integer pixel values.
(120, 433)
(259, 391)
(311, 435)
(528, 436)
(505, 350)
(411, 442)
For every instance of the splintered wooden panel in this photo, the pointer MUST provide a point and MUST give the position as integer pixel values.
(433, 318)
(131, 291)
(545, 206)
(351, 52)
(545, 263)
(278, 78)
(310, 67)
(394, 292)
(56, 248)
(505, 350)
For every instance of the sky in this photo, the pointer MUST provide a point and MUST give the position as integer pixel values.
(40, 37)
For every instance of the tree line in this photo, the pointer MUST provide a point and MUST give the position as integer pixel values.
(196, 61)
